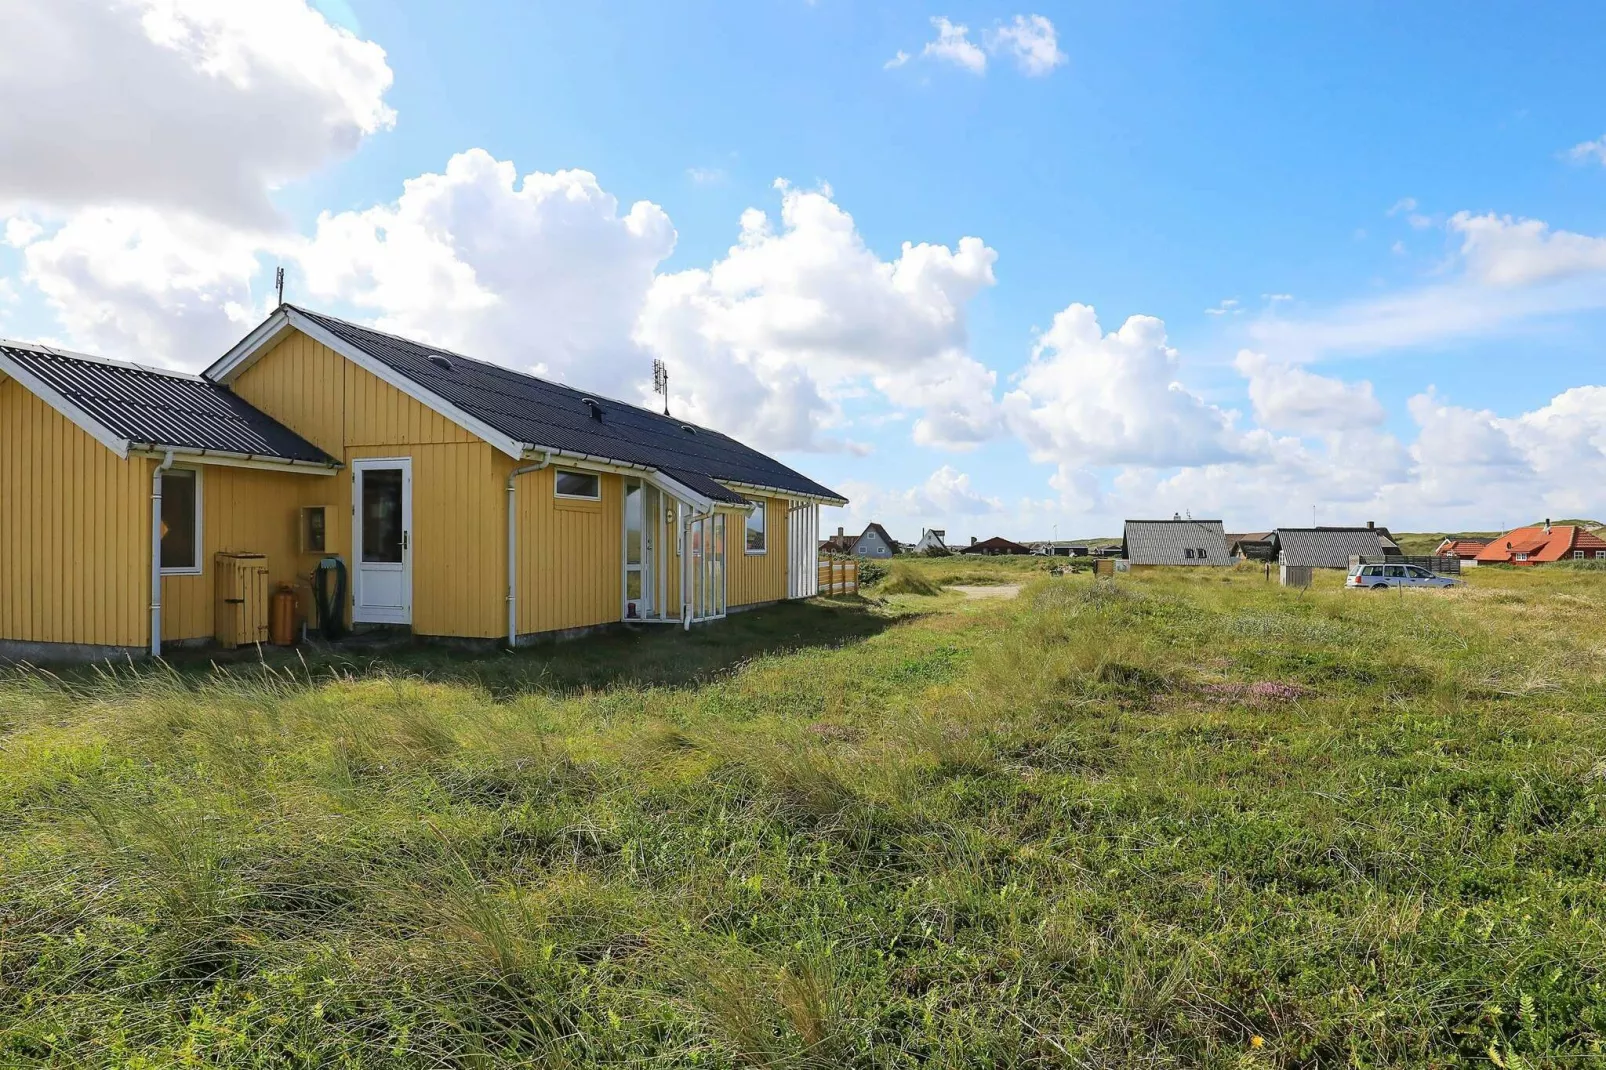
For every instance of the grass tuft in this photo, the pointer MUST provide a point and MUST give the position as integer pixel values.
(1165, 820)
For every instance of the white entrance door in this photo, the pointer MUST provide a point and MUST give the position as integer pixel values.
(381, 536)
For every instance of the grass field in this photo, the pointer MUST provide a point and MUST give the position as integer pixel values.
(1173, 820)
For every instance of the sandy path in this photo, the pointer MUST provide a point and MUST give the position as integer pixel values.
(1002, 591)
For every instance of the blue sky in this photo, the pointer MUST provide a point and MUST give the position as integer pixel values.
(1392, 208)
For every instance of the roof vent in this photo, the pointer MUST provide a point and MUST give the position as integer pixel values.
(440, 362)
(688, 428)
(596, 409)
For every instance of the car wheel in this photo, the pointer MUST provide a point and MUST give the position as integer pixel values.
(1380, 586)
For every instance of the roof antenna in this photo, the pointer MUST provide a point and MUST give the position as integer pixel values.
(278, 282)
(660, 381)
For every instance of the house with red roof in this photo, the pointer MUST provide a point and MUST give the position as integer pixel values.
(1543, 542)
(1464, 550)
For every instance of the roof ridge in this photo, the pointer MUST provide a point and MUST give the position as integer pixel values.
(492, 365)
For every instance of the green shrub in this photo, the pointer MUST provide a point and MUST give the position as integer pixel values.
(871, 571)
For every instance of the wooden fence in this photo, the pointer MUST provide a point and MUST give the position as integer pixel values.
(839, 575)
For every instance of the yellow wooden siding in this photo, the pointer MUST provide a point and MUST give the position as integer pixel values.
(759, 577)
(74, 533)
(302, 384)
(246, 511)
(458, 542)
(458, 550)
(570, 563)
(571, 553)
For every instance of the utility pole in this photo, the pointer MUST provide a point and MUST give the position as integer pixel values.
(278, 283)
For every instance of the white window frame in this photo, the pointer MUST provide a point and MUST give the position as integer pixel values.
(761, 510)
(1578, 555)
(597, 497)
(200, 555)
(1522, 556)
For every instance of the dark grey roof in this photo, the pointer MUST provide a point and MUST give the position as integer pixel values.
(541, 413)
(1324, 547)
(880, 531)
(1167, 542)
(146, 407)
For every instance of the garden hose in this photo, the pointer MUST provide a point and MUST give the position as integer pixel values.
(331, 615)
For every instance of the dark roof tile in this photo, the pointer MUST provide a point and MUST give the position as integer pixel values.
(145, 406)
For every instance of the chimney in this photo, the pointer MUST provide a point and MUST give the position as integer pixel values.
(1371, 524)
(1547, 525)
(840, 532)
(973, 540)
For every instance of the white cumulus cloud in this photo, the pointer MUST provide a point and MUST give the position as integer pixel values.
(202, 106)
(953, 45)
(1091, 398)
(1031, 42)
(543, 272)
(1289, 398)
(764, 341)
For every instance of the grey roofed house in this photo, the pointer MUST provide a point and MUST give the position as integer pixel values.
(874, 542)
(931, 539)
(1174, 542)
(1328, 547)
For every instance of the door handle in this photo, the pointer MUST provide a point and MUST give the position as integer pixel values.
(404, 540)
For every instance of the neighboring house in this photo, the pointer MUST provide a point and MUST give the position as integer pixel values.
(1543, 542)
(995, 547)
(466, 499)
(874, 542)
(1328, 547)
(1059, 549)
(931, 539)
(840, 543)
(1464, 550)
(1174, 542)
(1251, 546)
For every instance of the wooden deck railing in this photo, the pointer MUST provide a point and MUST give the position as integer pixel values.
(839, 575)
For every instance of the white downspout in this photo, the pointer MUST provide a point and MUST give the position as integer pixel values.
(156, 554)
(513, 550)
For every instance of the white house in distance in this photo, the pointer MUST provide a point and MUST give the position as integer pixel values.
(931, 539)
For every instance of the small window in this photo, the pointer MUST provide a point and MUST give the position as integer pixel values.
(1202, 554)
(1372, 570)
(755, 530)
(181, 522)
(1578, 555)
(1597, 553)
(1187, 552)
(1522, 557)
(586, 485)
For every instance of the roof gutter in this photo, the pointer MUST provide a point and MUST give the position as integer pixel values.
(513, 549)
(782, 492)
(232, 459)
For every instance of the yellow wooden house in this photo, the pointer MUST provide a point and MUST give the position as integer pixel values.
(462, 499)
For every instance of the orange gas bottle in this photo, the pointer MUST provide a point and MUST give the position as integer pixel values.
(282, 618)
